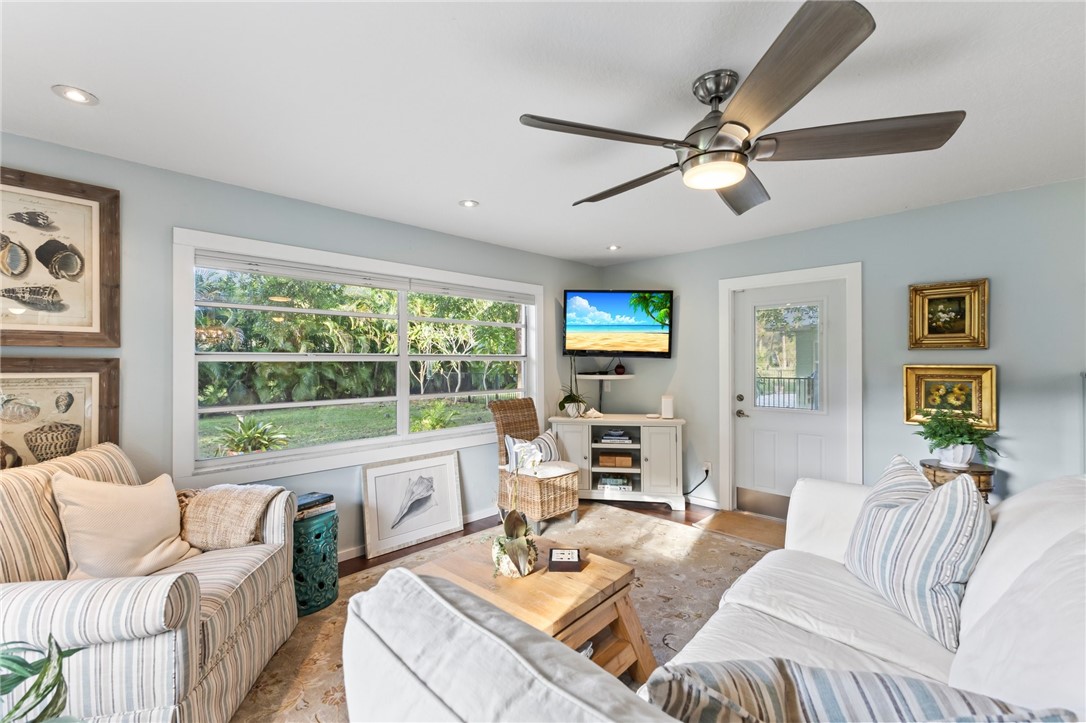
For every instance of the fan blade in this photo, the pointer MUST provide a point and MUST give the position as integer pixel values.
(609, 134)
(815, 41)
(864, 138)
(623, 187)
(744, 195)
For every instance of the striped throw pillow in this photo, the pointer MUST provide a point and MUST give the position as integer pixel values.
(917, 547)
(777, 690)
(545, 443)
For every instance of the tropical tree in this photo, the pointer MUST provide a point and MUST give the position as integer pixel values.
(656, 306)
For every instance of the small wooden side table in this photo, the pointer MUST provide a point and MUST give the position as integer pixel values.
(937, 474)
(572, 607)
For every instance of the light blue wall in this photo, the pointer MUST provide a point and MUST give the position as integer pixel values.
(153, 201)
(1031, 244)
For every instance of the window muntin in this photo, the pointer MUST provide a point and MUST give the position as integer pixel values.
(299, 352)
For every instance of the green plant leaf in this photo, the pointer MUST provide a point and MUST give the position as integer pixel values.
(517, 549)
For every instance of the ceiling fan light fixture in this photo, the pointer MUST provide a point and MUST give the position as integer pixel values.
(714, 170)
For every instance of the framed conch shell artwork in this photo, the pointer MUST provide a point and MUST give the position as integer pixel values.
(60, 267)
(411, 500)
(53, 407)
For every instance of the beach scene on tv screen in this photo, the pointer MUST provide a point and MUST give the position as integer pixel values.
(618, 321)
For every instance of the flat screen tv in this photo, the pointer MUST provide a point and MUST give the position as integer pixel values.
(618, 323)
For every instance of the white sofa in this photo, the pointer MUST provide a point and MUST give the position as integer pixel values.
(1022, 637)
(183, 644)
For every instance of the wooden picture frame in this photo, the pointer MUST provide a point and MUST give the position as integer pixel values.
(55, 406)
(949, 315)
(60, 264)
(411, 500)
(951, 386)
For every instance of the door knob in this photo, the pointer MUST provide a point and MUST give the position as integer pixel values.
(741, 413)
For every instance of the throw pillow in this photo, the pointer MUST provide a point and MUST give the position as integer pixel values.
(545, 443)
(917, 547)
(224, 516)
(114, 530)
(775, 689)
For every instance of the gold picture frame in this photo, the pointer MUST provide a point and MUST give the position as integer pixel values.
(949, 315)
(951, 386)
(60, 262)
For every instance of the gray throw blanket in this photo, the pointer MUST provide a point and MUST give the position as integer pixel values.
(224, 516)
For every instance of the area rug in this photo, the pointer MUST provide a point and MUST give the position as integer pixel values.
(681, 573)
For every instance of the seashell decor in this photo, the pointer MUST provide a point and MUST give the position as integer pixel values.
(9, 457)
(15, 410)
(64, 402)
(417, 497)
(14, 258)
(55, 439)
(63, 260)
(41, 298)
(37, 219)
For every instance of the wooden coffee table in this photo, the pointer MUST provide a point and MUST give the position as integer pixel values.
(572, 607)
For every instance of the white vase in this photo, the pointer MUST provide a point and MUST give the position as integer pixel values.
(503, 564)
(574, 410)
(957, 456)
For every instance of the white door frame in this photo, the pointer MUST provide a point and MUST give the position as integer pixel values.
(852, 275)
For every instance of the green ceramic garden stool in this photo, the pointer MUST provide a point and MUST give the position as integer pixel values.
(316, 562)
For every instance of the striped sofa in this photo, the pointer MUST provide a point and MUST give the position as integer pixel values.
(184, 644)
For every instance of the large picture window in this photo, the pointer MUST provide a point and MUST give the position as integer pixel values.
(294, 358)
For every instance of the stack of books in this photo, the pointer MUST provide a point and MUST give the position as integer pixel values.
(615, 436)
(615, 484)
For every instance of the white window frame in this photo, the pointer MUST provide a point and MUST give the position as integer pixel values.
(187, 243)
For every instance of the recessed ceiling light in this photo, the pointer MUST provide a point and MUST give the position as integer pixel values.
(613, 247)
(75, 95)
(469, 203)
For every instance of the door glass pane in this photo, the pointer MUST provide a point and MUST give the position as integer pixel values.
(787, 343)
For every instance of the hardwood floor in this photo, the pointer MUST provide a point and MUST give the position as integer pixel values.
(692, 514)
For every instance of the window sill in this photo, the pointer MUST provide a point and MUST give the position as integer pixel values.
(254, 469)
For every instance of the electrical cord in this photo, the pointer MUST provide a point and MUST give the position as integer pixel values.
(699, 484)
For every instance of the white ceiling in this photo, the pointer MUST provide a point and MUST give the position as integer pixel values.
(399, 110)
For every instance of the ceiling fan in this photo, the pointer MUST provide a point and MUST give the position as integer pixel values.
(715, 154)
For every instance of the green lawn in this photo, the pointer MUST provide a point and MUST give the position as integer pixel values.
(313, 426)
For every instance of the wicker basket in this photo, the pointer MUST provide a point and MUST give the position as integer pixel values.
(55, 439)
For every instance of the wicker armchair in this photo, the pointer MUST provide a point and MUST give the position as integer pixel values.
(538, 498)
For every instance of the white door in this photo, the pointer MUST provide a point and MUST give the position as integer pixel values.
(789, 367)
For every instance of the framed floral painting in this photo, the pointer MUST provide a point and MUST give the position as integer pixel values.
(951, 386)
(60, 267)
(949, 315)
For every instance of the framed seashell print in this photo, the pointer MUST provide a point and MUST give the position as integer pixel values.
(411, 500)
(60, 265)
(55, 406)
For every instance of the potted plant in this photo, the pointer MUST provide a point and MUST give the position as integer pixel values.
(572, 403)
(250, 435)
(514, 552)
(47, 696)
(954, 437)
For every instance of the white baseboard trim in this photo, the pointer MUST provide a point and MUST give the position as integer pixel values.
(480, 514)
(350, 553)
(704, 502)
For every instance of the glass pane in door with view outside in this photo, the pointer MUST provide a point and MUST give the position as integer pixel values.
(789, 368)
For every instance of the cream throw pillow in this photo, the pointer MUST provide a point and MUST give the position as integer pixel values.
(114, 530)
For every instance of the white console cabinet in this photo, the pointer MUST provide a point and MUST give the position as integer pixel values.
(646, 468)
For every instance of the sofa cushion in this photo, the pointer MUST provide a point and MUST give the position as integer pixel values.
(917, 547)
(1030, 648)
(545, 443)
(1025, 525)
(820, 596)
(426, 646)
(113, 530)
(233, 583)
(774, 689)
(31, 547)
(735, 632)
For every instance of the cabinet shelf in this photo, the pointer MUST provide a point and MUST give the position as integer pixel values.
(618, 470)
(606, 377)
(616, 447)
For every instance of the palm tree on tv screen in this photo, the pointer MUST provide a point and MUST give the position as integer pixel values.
(656, 306)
